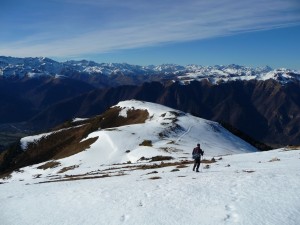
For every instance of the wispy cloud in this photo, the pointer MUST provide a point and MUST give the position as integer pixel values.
(115, 24)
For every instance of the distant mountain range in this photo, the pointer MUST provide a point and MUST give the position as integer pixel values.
(37, 94)
(113, 74)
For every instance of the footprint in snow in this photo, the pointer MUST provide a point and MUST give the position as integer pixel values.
(124, 218)
(231, 215)
(140, 204)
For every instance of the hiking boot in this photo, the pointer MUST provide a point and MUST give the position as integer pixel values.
(197, 171)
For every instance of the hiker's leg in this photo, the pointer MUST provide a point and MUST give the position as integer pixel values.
(198, 164)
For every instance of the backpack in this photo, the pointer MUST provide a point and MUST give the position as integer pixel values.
(196, 155)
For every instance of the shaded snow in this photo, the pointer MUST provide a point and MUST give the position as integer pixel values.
(25, 141)
(79, 119)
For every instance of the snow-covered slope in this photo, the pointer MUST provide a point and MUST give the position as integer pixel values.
(166, 132)
(146, 131)
(21, 67)
(253, 188)
(141, 173)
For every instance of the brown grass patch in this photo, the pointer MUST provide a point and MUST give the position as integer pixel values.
(181, 166)
(156, 158)
(65, 169)
(111, 117)
(74, 178)
(161, 158)
(175, 170)
(81, 177)
(146, 143)
(162, 165)
(291, 148)
(5, 176)
(208, 161)
(48, 165)
(143, 158)
(75, 148)
(121, 171)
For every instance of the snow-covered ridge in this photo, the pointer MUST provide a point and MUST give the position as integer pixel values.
(251, 188)
(171, 132)
(20, 67)
(167, 131)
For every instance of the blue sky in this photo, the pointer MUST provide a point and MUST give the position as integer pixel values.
(250, 33)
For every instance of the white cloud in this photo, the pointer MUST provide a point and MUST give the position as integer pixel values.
(133, 24)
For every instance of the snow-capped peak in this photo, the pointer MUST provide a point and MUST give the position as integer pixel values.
(20, 67)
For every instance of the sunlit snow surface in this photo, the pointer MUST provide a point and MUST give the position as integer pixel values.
(178, 141)
(171, 132)
(107, 183)
(257, 188)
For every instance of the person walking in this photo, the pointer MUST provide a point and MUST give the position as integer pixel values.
(197, 153)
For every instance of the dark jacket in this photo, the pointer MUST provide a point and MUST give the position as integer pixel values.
(197, 152)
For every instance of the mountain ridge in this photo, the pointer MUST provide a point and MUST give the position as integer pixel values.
(125, 132)
(96, 73)
(265, 109)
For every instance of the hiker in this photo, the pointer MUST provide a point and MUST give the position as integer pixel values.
(197, 153)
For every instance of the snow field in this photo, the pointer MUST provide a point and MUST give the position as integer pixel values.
(256, 188)
(252, 190)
